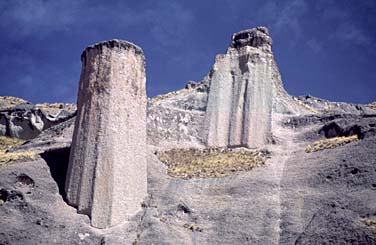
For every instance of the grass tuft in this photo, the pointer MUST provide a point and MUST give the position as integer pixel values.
(15, 156)
(372, 105)
(193, 227)
(307, 107)
(168, 95)
(206, 163)
(7, 143)
(371, 223)
(8, 102)
(330, 143)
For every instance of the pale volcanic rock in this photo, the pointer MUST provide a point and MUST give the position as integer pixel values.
(231, 106)
(241, 93)
(175, 119)
(297, 197)
(107, 169)
(26, 121)
(255, 37)
(245, 89)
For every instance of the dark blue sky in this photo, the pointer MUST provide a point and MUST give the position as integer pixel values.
(325, 48)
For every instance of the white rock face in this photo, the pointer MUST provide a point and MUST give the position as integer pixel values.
(25, 121)
(107, 169)
(231, 106)
(241, 92)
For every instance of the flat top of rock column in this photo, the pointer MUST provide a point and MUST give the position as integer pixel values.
(114, 43)
(254, 37)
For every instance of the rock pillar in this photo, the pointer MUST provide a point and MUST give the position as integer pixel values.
(107, 168)
(241, 92)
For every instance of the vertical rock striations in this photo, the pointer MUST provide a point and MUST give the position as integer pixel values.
(107, 169)
(241, 92)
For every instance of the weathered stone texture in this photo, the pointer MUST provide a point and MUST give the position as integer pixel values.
(241, 92)
(176, 119)
(25, 121)
(172, 127)
(107, 170)
(255, 37)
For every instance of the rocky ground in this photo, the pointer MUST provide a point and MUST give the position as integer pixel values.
(314, 182)
(323, 197)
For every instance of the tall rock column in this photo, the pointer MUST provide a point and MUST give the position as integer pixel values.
(241, 92)
(107, 168)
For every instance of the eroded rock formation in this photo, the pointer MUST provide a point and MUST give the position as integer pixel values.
(232, 105)
(241, 92)
(186, 118)
(107, 169)
(20, 119)
(327, 197)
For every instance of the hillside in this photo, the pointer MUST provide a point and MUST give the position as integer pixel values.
(306, 176)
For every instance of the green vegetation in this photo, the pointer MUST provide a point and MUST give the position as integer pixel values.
(330, 143)
(206, 163)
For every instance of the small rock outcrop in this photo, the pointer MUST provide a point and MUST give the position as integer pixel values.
(23, 120)
(255, 37)
(106, 176)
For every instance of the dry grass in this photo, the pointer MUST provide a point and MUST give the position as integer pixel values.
(7, 143)
(371, 223)
(372, 105)
(307, 107)
(7, 102)
(197, 163)
(52, 105)
(15, 156)
(55, 108)
(330, 143)
(329, 107)
(193, 227)
(168, 95)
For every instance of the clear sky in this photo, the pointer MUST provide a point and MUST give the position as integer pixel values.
(325, 48)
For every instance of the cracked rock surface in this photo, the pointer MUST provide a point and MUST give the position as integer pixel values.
(323, 197)
(295, 198)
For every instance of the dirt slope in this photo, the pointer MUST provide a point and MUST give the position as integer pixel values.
(295, 198)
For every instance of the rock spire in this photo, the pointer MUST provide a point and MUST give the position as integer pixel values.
(241, 92)
(107, 169)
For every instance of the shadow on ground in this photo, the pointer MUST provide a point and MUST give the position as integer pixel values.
(57, 160)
